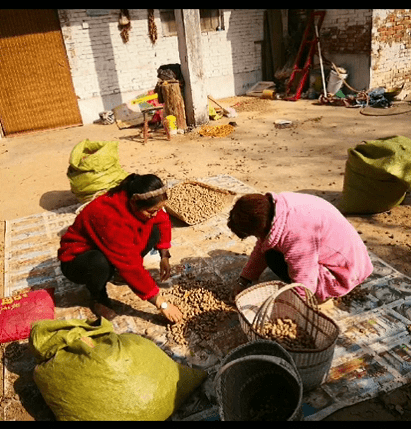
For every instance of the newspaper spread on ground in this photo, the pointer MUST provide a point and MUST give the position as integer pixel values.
(373, 352)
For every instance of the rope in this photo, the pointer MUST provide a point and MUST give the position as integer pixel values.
(385, 114)
(340, 76)
(362, 95)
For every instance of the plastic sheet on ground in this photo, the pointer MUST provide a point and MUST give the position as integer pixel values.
(373, 352)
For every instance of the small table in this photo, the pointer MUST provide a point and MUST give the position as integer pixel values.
(146, 113)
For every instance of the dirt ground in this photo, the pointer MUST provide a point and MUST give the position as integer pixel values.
(307, 157)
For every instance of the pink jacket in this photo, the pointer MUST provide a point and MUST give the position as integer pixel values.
(322, 249)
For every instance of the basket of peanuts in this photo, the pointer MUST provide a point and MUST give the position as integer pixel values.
(289, 315)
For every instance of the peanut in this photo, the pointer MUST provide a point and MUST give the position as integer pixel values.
(195, 203)
(288, 333)
(216, 131)
(203, 303)
(356, 294)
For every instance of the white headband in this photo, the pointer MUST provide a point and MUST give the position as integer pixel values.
(150, 194)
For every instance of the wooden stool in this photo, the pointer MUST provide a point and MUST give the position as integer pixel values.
(146, 117)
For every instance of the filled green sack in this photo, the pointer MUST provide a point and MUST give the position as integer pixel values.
(85, 371)
(377, 175)
(94, 167)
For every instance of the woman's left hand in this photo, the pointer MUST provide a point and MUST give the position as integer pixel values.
(165, 269)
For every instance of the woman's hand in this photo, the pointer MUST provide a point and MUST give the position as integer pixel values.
(172, 313)
(241, 284)
(165, 269)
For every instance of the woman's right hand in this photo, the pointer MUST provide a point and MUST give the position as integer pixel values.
(172, 313)
(241, 284)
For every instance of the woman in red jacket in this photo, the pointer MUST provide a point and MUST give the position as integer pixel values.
(114, 232)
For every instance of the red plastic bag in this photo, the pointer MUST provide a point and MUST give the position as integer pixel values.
(18, 312)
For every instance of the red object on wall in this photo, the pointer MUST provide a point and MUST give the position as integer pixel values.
(18, 312)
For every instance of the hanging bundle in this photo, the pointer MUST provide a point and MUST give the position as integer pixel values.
(124, 24)
(124, 17)
(152, 28)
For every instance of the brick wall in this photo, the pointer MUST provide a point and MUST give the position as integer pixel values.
(103, 66)
(391, 48)
(346, 31)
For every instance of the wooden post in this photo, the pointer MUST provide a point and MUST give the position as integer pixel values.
(192, 65)
(174, 103)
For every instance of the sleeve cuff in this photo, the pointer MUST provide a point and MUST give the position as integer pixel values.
(148, 295)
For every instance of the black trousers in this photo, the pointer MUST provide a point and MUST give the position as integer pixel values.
(276, 262)
(93, 269)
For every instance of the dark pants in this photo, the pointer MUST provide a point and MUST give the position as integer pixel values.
(94, 270)
(276, 262)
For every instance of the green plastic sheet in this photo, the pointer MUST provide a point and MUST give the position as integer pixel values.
(377, 175)
(93, 167)
(85, 371)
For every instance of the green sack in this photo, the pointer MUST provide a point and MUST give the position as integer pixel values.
(94, 166)
(377, 175)
(85, 371)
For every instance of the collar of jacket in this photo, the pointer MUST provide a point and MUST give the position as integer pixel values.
(278, 223)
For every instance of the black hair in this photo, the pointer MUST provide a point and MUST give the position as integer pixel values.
(140, 184)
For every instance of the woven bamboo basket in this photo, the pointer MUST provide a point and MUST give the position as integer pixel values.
(228, 197)
(271, 300)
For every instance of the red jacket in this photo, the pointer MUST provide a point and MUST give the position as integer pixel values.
(107, 224)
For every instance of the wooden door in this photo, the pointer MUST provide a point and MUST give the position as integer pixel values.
(36, 90)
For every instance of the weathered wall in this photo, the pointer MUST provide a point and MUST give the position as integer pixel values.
(391, 48)
(107, 72)
(346, 41)
(232, 57)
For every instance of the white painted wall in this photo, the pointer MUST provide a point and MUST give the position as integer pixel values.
(107, 72)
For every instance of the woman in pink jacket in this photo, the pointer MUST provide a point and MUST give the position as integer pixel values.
(302, 239)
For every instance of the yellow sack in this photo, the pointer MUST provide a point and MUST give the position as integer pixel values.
(94, 166)
(377, 175)
(85, 371)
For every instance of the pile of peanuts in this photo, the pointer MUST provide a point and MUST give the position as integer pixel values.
(287, 333)
(355, 294)
(195, 203)
(203, 303)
